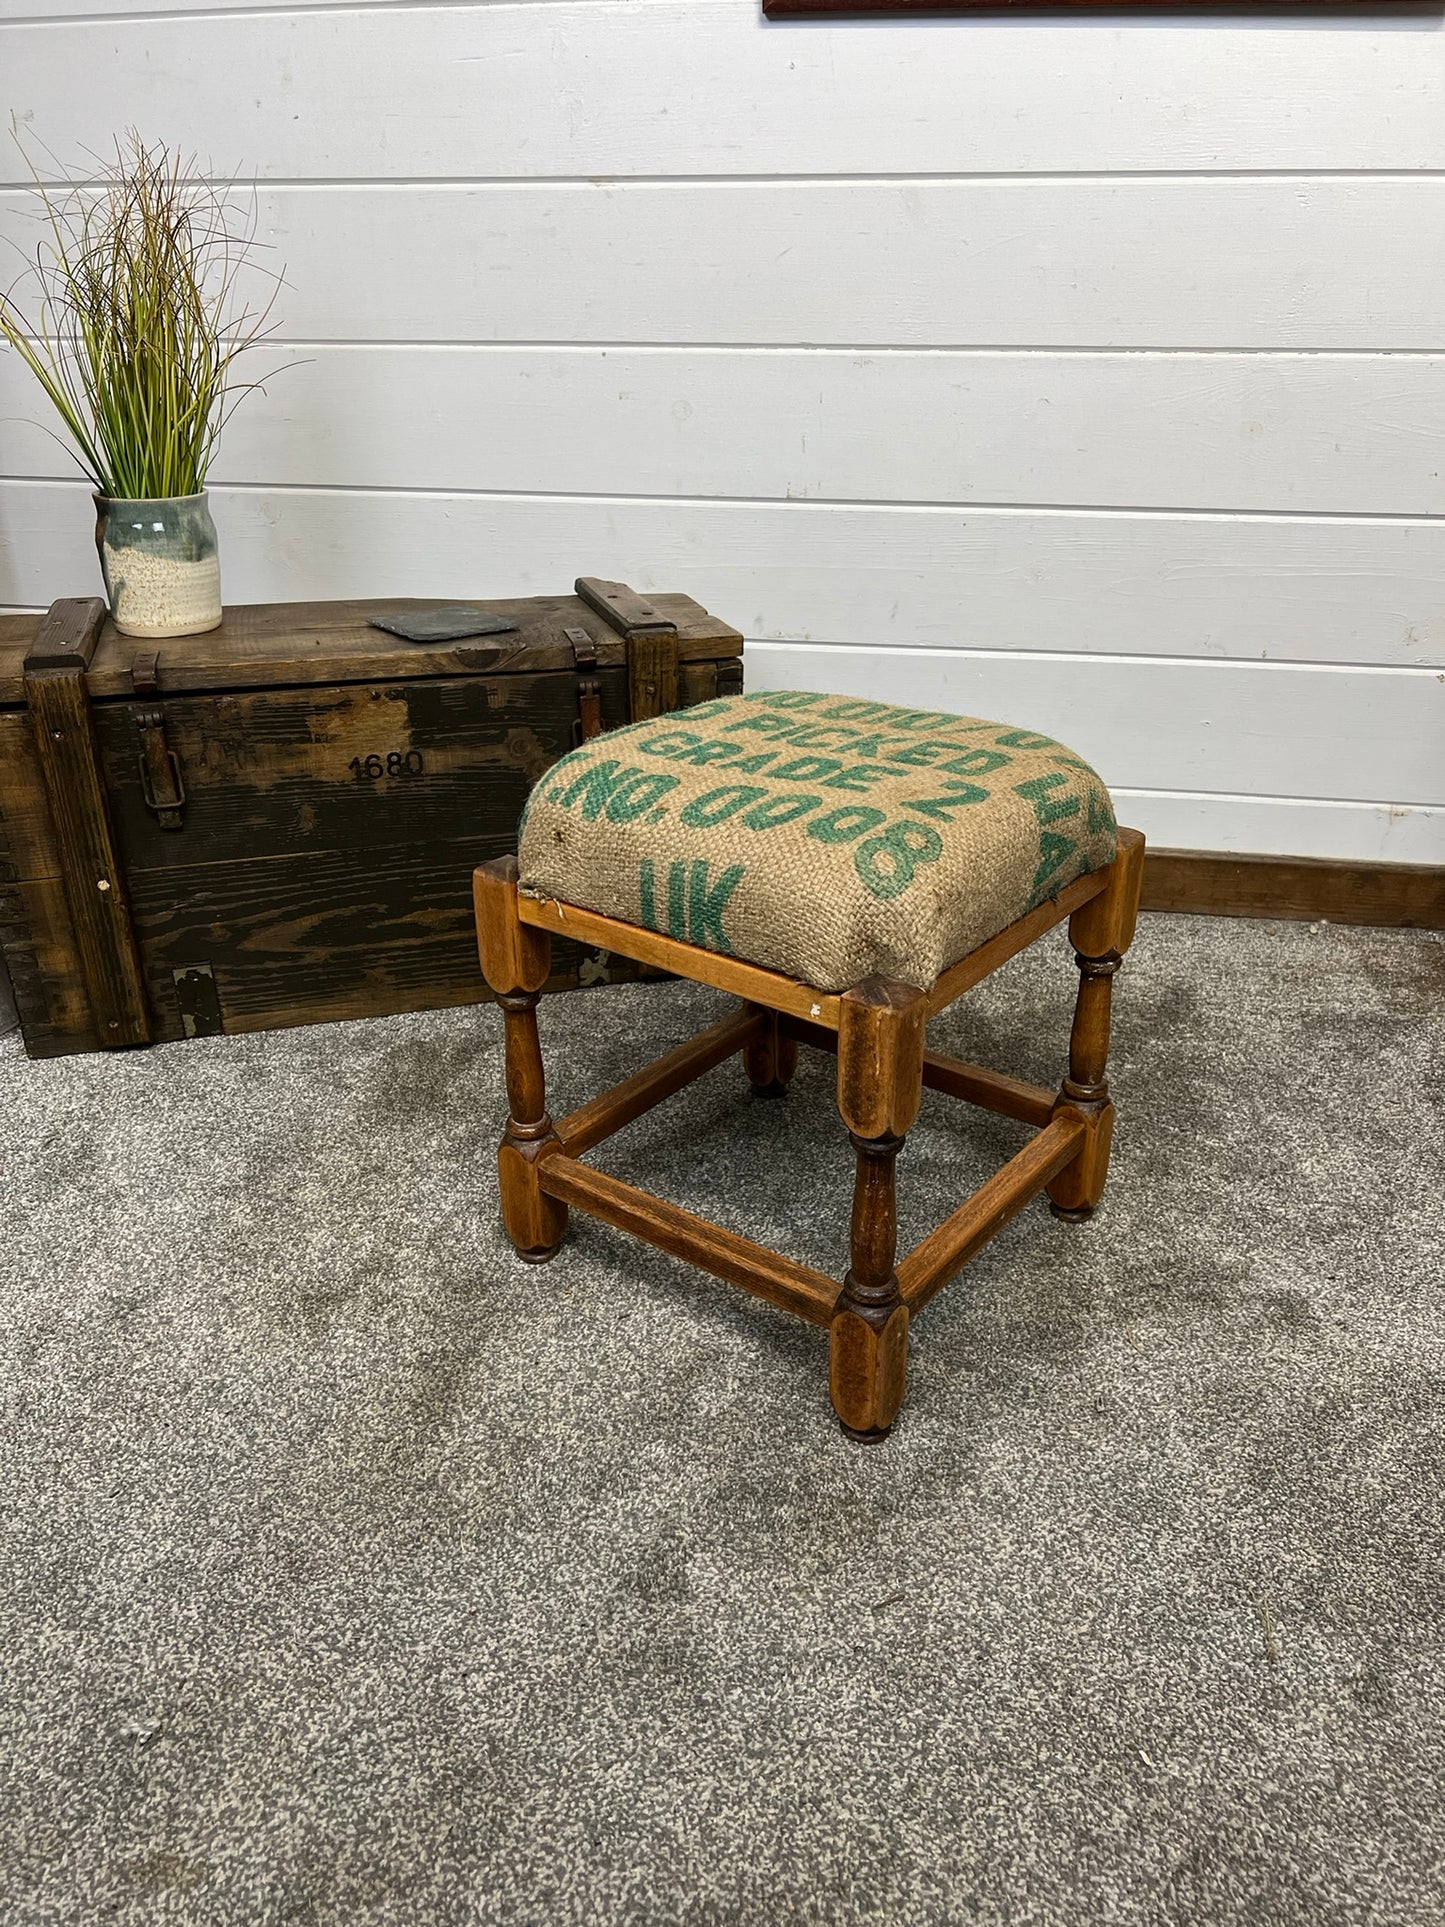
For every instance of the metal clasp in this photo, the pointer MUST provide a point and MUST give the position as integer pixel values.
(161, 783)
(589, 689)
(160, 768)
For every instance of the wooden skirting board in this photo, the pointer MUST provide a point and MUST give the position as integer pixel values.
(1406, 896)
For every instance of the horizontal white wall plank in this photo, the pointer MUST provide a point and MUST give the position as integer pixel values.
(28, 13)
(710, 87)
(1263, 729)
(1313, 433)
(1370, 592)
(1343, 264)
(1286, 826)
(1371, 735)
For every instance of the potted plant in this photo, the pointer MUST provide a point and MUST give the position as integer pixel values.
(136, 321)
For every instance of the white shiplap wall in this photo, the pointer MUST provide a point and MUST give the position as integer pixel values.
(1084, 371)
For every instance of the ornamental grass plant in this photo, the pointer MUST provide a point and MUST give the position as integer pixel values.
(133, 314)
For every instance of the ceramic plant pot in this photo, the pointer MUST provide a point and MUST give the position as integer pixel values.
(162, 572)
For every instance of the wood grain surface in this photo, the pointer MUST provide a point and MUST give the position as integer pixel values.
(604, 88)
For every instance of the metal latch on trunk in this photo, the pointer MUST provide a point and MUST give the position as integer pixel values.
(589, 689)
(161, 782)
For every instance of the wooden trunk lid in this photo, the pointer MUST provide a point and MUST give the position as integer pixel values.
(270, 645)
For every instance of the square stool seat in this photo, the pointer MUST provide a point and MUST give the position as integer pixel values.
(820, 836)
(847, 869)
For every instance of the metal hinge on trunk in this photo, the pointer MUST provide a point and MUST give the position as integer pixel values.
(160, 768)
(589, 689)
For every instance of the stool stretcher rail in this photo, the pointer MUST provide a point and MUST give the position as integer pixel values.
(794, 1287)
(989, 1090)
(930, 1265)
(974, 1083)
(657, 1081)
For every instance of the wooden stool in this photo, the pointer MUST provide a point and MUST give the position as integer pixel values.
(877, 1031)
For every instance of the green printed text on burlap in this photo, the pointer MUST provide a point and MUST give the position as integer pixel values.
(825, 837)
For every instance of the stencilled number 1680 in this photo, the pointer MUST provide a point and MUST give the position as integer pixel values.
(400, 762)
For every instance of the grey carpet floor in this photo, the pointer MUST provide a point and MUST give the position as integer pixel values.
(354, 1572)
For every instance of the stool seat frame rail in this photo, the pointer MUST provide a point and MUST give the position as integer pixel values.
(877, 1032)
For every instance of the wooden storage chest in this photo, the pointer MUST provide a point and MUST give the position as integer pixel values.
(276, 823)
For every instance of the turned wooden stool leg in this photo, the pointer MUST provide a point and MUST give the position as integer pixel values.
(1101, 932)
(1079, 1186)
(516, 961)
(771, 1058)
(880, 1081)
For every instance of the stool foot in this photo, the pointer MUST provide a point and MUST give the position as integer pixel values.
(865, 1438)
(774, 1090)
(533, 1221)
(539, 1257)
(868, 1362)
(1071, 1213)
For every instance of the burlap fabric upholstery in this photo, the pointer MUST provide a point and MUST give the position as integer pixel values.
(824, 837)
